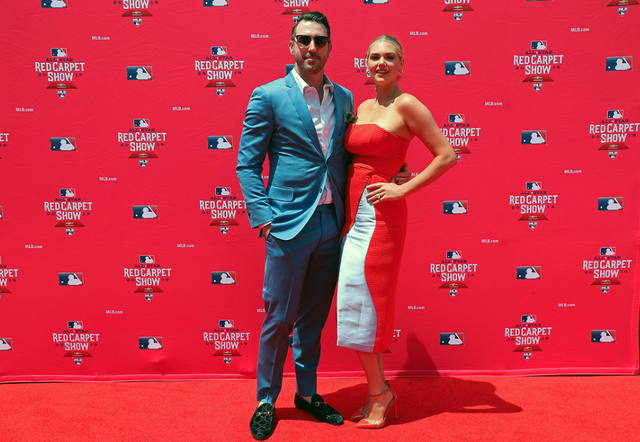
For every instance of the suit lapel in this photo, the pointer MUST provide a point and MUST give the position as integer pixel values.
(297, 99)
(338, 104)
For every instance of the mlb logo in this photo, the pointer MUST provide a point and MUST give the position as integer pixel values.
(66, 144)
(147, 259)
(607, 251)
(615, 114)
(148, 296)
(216, 3)
(619, 63)
(456, 118)
(220, 142)
(77, 361)
(529, 272)
(603, 336)
(605, 289)
(528, 319)
(6, 344)
(59, 52)
(457, 16)
(376, 2)
(225, 323)
(455, 207)
(219, 50)
(70, 231)
(453, 292)
(141, 122)
(143, 163)
(226, 360)
(539, 44)
(58, 4)
(527, 355)
(534, 185)
(62, 94)
(537, 87)
(71, 279)
(451, 338)
(137, 21)
(223, 278)
(533, 137)
(68, 192)
(223, 190)
(611, 203)
(533, 224)
(457, 68)
(623, 11)
(613, 154)
(145, 212)
(139, 73)
(151, 343)
(454, 254)
(75, 325)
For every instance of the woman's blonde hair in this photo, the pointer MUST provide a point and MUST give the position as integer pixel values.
(389, 39)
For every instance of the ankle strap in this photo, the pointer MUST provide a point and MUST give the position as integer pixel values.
(378, 395)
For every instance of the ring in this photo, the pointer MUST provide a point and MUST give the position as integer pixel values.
(379, 196)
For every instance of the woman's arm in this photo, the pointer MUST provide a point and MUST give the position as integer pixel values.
(421, 124)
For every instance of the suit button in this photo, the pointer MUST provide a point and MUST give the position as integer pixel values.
(320, 190)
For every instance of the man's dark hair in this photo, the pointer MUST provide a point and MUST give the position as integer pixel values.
(315, 16)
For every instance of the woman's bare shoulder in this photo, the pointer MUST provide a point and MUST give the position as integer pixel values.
(408, 100)
(410, 105)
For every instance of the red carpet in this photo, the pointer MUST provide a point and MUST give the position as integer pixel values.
(598, 408)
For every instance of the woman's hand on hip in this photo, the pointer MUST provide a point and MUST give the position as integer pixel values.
(380, 192)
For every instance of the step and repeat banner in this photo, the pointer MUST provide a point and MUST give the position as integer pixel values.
(125, 249)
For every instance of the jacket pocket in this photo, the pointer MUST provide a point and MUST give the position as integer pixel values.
(281, 193)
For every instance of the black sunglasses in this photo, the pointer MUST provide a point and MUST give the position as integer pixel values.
(305, 40)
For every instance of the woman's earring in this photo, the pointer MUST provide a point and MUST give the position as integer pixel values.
(401, 74)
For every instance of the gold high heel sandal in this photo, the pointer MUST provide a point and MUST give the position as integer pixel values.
(362, 412)
(363, 424)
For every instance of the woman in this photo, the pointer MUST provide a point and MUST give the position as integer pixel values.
(375, 228)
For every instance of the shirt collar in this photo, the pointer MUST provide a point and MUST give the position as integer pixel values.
(303, 84)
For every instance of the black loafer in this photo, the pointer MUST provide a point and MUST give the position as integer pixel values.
(261, 424)
(319, 408)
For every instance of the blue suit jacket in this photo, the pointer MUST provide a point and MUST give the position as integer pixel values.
(277, 124)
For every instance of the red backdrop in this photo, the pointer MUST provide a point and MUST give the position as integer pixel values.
(125, 251)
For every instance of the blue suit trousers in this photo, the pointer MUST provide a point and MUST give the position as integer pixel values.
(299, 283)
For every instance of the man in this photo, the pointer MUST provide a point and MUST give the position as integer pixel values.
(299, 123)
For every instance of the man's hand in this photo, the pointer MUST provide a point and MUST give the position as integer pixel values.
(403, 176)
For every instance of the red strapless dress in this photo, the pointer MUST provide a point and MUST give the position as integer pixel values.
(373, 240)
